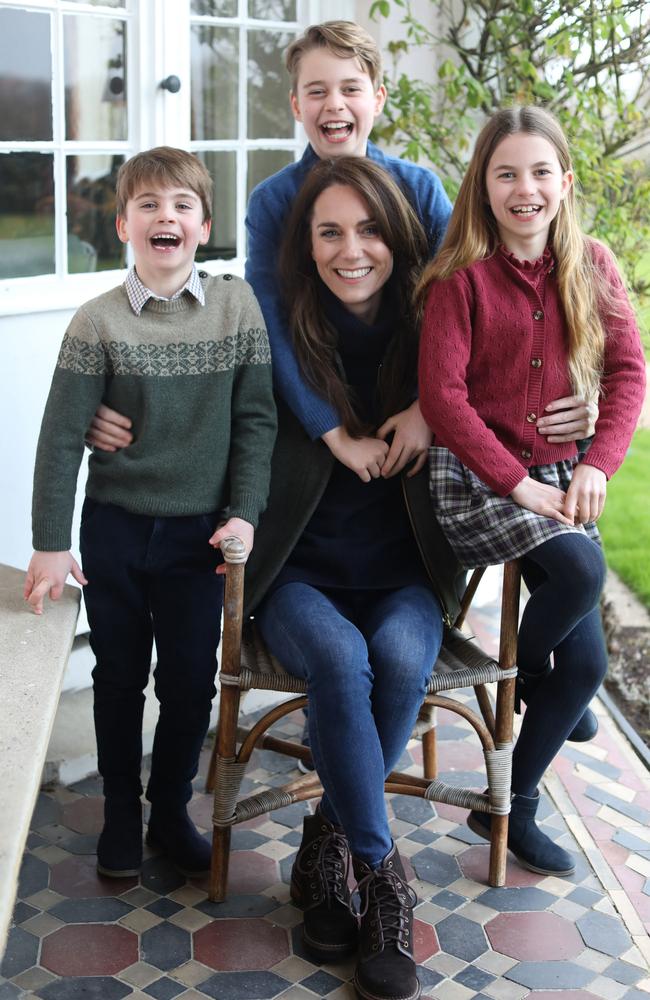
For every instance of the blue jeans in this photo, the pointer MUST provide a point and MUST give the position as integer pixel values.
(367, 657)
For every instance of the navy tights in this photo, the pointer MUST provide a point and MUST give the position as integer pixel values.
(562, 617)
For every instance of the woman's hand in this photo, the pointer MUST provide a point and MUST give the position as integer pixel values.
(234, 526)
(585, 497)
(109, 430)
(411, 440)
(571, 418)
(46, 574)
(542, 499)
(365, 456)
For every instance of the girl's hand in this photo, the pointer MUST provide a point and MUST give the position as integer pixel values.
(571, 418)
(365, 456)
(47, 573)
(109, 430)
(585, 498)
(234, 526)
(411, 440)
(542, 499)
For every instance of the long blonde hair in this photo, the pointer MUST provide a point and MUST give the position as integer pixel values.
(473, 235)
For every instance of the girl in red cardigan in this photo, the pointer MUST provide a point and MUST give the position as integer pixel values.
(523, 308)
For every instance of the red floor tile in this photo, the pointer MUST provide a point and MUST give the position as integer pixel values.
(474, 864)
(614, 854)
(452, 813)
(598, 828)
(641, 904)
(77, 878)
(459, 755)
(200, 809)
(84, 815)
(250, 872)
(630, 880)
(240, 945)
(534, 937)
(425, 941)
(89, 950)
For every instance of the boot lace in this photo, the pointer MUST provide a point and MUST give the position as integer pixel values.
(390, 900)
(326, 862)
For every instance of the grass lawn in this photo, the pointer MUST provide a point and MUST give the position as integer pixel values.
(644, 311)
(625, 524)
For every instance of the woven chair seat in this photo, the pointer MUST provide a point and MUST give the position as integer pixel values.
(460, 664)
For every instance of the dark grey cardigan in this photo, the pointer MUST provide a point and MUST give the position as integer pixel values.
(300, 470)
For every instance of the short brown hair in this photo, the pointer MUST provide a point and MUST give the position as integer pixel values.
(166, 166)
(344, 39)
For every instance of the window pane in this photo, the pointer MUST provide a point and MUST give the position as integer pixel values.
(25, 75)
(102, 3)
(26, 214)
(273, 10)
(95, 77)
(269, 115)
(264, 162)
(223, 237)
(92, 241)
(215, 8)
(214, 68)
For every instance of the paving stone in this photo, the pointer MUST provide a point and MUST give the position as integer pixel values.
(89, 950)
(9, 991)
(449, 900)
(461, 938)
(510, 900)
(630, 809)
(100, 909)
(623, 972)
(321, 983)
(531, 937)
(239, 906)
(241, 944)
(80, 843)
(585, 897)
(85, 988)
(33, 840)
(164, 989)
(412, 810)
(604, 933)
(33, 979)
(473, 978)
(21, 952)
(428, 977)
(549, 975)
(601, 766)
(244, 985)
(34, 876)
(423, 835)
(165, 946)
(159, 876)
(627, 839)
(92, 785)
(164, 907)
(292, 816)
(247, 840)
(22, 911)
(436, 867)
(465, 835)
(42, 924)
(46, 811)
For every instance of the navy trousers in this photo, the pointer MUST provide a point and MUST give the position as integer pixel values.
(151, 578)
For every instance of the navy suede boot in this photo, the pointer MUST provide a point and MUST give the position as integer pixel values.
(119, 848)
(172, 832)
(533, 849)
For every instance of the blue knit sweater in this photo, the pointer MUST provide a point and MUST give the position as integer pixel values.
(268, 209)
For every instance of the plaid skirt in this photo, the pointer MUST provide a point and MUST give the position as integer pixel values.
(485, 529)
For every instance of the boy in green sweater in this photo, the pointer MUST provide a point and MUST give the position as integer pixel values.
(186, 357)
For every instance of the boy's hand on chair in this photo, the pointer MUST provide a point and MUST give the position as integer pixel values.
(585, 498)
(542, 499)
(411, 440)
(47, 573)
(237, 527)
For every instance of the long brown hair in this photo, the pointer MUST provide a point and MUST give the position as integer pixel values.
(315, 338)
(473, 234)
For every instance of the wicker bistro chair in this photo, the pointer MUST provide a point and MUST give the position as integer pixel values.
(247, 664)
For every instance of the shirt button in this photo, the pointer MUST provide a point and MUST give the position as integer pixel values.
(536, 363)
(203, 274)
(526, 454)
(531, 418)
(538, 314)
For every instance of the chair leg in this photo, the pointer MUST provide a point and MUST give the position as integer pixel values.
(505, 707)
(430, 754)
(220, 863)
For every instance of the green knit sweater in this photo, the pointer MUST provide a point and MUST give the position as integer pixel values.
(196, 382)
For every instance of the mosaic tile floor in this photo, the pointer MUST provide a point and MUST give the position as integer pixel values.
(77, 935)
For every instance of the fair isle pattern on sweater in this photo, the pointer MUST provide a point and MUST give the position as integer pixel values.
(207, 356)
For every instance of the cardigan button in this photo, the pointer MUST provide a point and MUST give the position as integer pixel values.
(536, 363)
(531, 418)
(227, 277)
(526, 453)
(203, 274)
(538, 314)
